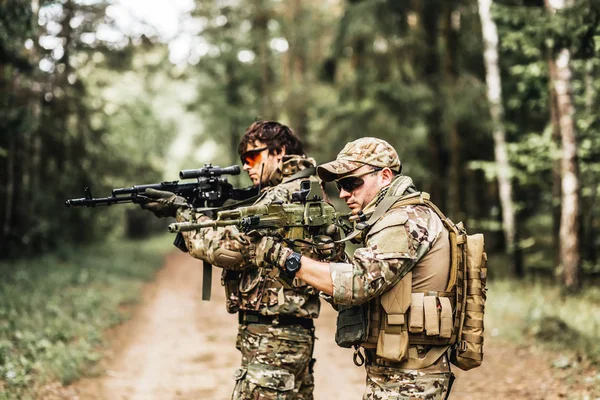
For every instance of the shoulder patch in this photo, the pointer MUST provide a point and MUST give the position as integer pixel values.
(395, 218)
(388, 237)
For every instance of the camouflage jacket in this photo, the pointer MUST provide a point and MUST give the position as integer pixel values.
(389, 246)
(249, 287)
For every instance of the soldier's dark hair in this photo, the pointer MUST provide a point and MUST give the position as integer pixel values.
(274, 135)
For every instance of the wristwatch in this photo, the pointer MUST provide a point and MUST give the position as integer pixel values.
(292, 264)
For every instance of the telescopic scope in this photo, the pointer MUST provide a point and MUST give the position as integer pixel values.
(209, 171)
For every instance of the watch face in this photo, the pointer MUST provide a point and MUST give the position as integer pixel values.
(292, 264)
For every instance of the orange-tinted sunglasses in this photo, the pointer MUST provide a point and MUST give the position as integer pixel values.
(250, 157)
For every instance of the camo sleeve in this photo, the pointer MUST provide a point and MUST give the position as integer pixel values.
(225, 247)
(390, 247)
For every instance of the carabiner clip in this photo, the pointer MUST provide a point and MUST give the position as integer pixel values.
(358, 358)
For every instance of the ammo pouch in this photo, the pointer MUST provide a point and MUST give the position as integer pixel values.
(392, 342)
(352, 325)
(231, 281)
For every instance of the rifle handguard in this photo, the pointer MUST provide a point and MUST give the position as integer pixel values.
(189, 226)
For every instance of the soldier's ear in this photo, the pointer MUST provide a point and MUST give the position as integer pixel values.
(280, 153)
(387, 176)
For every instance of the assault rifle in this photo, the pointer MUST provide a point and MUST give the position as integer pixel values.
(299, 223)
(210, 189)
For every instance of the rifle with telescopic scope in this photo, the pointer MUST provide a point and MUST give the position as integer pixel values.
(208, 192)
(210, 189)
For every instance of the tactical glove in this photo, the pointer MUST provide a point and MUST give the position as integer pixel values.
(271, 252)
(163, 203)
(326, 248)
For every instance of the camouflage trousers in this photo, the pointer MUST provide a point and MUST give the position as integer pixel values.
(276, 363)
(388, 383)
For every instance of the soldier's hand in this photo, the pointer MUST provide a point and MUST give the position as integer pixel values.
(327, 250)
(162, 203)
(270, 251)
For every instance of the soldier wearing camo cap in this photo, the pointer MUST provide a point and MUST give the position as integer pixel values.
(276, 332)
(397, 281)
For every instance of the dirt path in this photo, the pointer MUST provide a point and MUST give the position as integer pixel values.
(177, 346)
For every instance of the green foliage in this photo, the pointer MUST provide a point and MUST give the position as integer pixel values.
(519, 312)
(65, 127)
(54, 309)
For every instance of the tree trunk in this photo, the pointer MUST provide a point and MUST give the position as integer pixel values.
(430, 25)
(589, 214)
(10, 185)
(556, 168)
(570, 259)
(494, 94)
(451, 31)
(260, 26)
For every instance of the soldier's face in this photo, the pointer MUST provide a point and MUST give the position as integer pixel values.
(259, 163)
(358, 198)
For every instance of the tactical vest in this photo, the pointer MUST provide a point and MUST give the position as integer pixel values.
(401, 318)
(257, 289)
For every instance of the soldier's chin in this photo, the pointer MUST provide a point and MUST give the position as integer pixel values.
(354, 208)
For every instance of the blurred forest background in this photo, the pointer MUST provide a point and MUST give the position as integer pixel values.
(492, 106)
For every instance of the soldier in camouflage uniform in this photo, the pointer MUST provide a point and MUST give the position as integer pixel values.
(404, 244)
(276, 332)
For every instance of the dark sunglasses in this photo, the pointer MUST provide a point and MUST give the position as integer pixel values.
(250, 157)
(353, 182)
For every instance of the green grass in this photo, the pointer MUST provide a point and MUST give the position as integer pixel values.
(525, 311)
(54, 309)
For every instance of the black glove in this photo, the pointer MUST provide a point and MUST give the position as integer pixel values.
(163, 203)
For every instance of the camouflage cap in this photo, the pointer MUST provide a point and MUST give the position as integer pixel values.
(368, 150)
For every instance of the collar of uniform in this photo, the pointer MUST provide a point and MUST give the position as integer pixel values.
(397, 188)
(294, 163)
(400, 185)
(290, 165)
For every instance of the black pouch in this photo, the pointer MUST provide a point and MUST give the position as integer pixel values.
(352, 325)
(231, 280)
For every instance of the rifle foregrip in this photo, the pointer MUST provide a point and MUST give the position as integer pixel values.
(188, 226)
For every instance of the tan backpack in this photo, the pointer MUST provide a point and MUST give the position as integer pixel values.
(468, 277)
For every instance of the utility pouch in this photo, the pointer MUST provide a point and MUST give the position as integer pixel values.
(352, 325)
(432, 320)
(445, 318)
(416, 324)
(392, 343)
(231, 281)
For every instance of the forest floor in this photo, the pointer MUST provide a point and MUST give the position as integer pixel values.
(177, 346)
